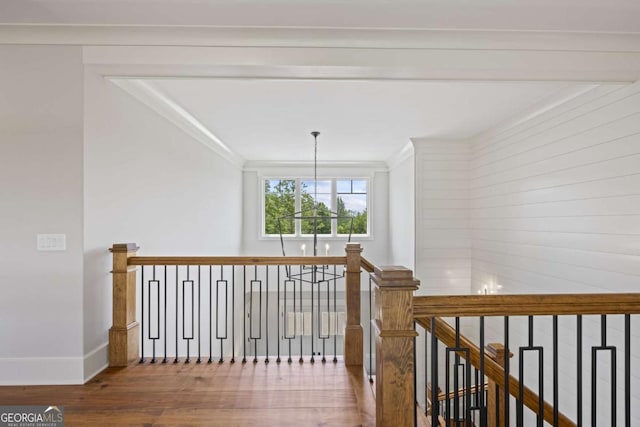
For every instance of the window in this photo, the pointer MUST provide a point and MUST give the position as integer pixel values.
(308, 194)
(279, 200)
(351, 196)
(346, 197)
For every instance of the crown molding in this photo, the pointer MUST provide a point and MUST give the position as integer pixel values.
(147, 93)
(149, 35)
(400, 156)
(562, 96)
(262, 165)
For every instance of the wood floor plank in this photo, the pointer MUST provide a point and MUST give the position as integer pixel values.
(211, 395)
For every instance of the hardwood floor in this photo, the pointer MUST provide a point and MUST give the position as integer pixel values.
(211, 395)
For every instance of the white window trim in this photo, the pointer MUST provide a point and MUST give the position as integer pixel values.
(334, 178)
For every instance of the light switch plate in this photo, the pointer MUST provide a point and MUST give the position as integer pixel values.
(52, 242)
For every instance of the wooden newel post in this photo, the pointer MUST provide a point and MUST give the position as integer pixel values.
(495, 392)
(395, 370)
(353, 341)
(124, 335)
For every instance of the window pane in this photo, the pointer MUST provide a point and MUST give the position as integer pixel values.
(343, 186)
(323, 223)
(355, 207)
(279, 202)
(360, 186)
(324, 186)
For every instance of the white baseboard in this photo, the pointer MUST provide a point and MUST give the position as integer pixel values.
(41, 370)
(96, 361)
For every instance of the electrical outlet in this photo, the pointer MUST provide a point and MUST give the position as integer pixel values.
(52, 242)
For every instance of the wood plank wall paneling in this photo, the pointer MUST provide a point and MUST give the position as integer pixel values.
(554, 206)
(443, 244)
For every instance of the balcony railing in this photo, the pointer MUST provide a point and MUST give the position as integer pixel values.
(206, 309)
(439, 360)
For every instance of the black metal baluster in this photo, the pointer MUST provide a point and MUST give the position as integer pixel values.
(371, 337)
(579, 369)
(467, 382)
(320, 323)
(447, 386)
(255, 339)
(266, 358)
(278, 316)
(199, 360)
(233, 314)
(456, 384)
(415, 379)
(627, 370)
(177, 330)
(593, 386)
(153, 337)
(520, 401)
(314, 270)
(142, 318)
(222, 338)
(506, 370)
(594, 371)
(435, 409)
(460, 369)
(483, 409)
(301, 360)
(210, 360)
(295, 318)
(556, 397)
(286, 312)
(321, 335)
(244, 315)
(427, 406)
(335, 310)
(184, 321)
(166, 337)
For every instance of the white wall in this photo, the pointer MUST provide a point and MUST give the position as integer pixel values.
(40, 192)
(402, 212)
(146, 182)
(443, 238)
(555, 207)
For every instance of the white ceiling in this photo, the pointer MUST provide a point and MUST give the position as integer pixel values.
(358, 120)
(561, 15)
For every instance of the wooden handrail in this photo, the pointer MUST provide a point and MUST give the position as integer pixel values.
(237, 260)
(367, 265)
(525, 305)
(447, 335)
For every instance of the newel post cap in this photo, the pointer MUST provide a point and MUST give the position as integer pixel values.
(394, 276)
(353, 247)
(124, 247)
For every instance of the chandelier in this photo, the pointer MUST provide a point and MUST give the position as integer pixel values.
(316, 273)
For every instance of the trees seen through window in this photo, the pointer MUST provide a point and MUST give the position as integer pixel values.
(285, 197)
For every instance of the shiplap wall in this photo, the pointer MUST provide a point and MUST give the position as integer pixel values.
(555, 207)
(402, 213)
(443, 243)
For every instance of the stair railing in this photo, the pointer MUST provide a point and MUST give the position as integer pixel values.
(592, 327)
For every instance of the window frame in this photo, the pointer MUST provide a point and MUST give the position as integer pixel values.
(298, 202)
